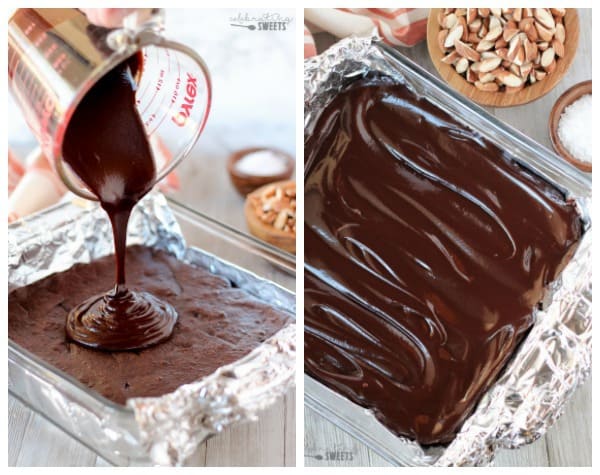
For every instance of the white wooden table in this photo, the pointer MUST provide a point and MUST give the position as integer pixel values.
(253, 74)
(569, 442)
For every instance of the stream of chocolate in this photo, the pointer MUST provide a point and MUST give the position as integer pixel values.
(106, 146)
(427, 250)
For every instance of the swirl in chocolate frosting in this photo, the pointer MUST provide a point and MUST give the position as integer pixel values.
(427, 250)
(121, 321)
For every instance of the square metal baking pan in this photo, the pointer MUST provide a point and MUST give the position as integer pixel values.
(356, 420)
(110, 429)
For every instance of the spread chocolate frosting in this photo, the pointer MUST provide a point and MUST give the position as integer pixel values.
(427, 250)
(106, 146)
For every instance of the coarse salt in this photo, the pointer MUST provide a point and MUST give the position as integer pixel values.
(575, 129)
(262, 163)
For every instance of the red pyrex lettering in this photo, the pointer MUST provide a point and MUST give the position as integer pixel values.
(185, 111)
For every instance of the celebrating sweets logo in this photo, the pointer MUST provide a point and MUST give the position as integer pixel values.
(263, 22)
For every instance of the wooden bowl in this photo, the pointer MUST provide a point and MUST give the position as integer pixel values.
(568, 97)
(501, 99)
(245, 183)
(281, 239)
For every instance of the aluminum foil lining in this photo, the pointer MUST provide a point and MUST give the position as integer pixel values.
(172, 426)
(553, 360)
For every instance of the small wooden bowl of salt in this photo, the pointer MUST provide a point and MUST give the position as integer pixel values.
(251, 168)
(570, 126)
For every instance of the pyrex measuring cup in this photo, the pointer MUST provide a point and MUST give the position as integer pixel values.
(55, 55)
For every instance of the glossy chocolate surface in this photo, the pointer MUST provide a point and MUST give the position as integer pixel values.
(106, 146)
(427, 249)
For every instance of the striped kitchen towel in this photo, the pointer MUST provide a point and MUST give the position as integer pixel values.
(396, 26)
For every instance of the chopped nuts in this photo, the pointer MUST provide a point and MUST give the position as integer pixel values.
(502, 49)
(276, 206)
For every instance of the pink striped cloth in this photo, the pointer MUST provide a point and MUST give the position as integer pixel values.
(396, 26)
(34, 185)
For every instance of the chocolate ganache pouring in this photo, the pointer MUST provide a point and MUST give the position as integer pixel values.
(107, 147)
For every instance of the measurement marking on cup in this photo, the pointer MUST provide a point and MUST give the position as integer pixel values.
(185, 110)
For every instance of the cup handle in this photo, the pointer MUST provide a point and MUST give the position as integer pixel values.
(158, 40)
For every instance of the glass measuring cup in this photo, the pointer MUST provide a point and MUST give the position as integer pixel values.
(55, 56)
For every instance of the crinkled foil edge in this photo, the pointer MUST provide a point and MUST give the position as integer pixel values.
(552, 361)
(171, 427)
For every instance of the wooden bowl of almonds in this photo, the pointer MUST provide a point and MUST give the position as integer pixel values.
(271, 214)
(502, 56)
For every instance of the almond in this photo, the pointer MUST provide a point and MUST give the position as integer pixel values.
(527, 12)
(451, 57)
(524, 22)
(520, 57)
(539, 75)
(440, 18)
(473, 38)
(461, 65)
(483, 30)
(471, 75)
(460, 12)
(558, 48)
(544, 33)
(484, 45)
(493, 34)
(547, 58)
(517, 14)
(496, 12)
(488, 54)
(487, 86)
(530, 50)
(494, 23)
(465, 50)
(543, 45)
(532, 79)
(559, 34)
(489, 64)
(471, 15)
(449, 21)
(486, 77)
(475, 66)
(513, 47)
(531, 32)
(502, 52)
(559, 12)
(442, 39)
(281, 219)
(462, 22)
(551, 67)
(500, 43)
(525, 69)
(544, 16)
(453, 35)
(509, 79)
(515, 69)
(475, 25)
(509, 33)
(484, 12)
